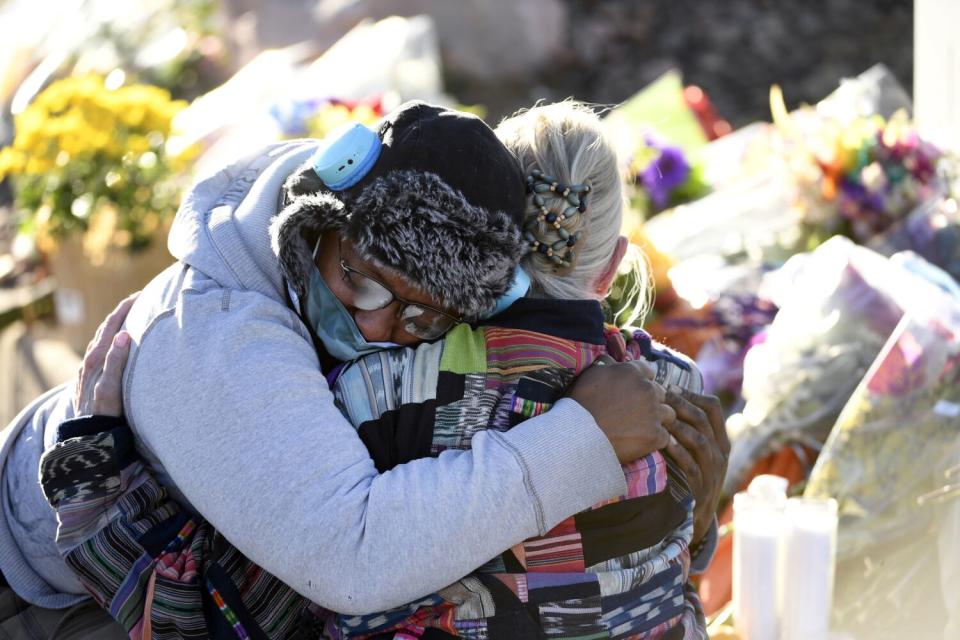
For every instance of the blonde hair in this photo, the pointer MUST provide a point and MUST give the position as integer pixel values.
(566, 141)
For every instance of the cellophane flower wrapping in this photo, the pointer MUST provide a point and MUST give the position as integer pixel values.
(835, 313)
(898, 432)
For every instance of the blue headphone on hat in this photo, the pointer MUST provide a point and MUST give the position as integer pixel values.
(346, 156)
(349, 153)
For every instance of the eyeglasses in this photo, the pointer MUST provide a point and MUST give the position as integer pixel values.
(369, 294)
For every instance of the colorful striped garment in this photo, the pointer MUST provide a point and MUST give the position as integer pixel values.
(160, 571)
(618, 570)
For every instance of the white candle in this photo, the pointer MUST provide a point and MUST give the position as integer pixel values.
(810, 542)
(758, 524)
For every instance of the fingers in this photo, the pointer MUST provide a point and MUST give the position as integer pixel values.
(645, 369)
(96, 355)
(78, 390)
(107, 398)
(115, 320)
(713, 411)
(659, 439)
(112, 323)
(603, 361)
(686, 462)
(658, 391)
(90, 368)
(688, 411)
(666, 414)
(97, 349)
(692, 439)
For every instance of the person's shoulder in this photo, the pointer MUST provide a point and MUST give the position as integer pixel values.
(204, 311)
(186, 295)
(227, 169)
(189, 322)
(214, 336)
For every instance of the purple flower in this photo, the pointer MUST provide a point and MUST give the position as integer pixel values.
(664, 175)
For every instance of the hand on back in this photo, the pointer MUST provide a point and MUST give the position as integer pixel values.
(627, 404)
(98, 390)
(638, 417)
(701, 448)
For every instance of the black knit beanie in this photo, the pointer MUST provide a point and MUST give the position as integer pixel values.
(442, 206)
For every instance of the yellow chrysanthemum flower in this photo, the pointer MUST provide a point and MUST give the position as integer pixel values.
(78, 136)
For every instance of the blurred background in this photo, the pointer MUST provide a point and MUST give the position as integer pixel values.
(792, 178)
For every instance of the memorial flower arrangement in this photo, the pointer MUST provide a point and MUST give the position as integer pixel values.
(90, 159)
(659, 176)
(662, 176)
(870, 462)
(336, 113)
(856, 178)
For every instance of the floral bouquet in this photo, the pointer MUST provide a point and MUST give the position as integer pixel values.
(662, 176)
(932, 230)
(659, 176)
(855, 177)
(890, 463)
(316, 117)
(836, 310)
(897, 433)
(89, 159)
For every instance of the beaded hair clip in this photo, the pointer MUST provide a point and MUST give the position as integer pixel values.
(540, 187)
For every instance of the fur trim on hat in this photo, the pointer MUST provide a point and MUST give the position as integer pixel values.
(294, 231)
(414, 223)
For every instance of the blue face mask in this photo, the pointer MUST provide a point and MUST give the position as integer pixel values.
(334, 325)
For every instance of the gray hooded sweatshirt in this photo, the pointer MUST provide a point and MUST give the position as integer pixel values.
(224, 391)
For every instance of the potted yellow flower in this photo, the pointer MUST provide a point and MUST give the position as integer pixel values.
(95, 186)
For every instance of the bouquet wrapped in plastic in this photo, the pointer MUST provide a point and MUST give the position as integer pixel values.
(898, 433)
(838, 306)
(891, 463)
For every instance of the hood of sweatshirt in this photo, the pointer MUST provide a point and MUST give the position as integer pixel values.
(223, 225)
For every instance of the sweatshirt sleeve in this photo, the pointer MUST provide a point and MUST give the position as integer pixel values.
(225, 392)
